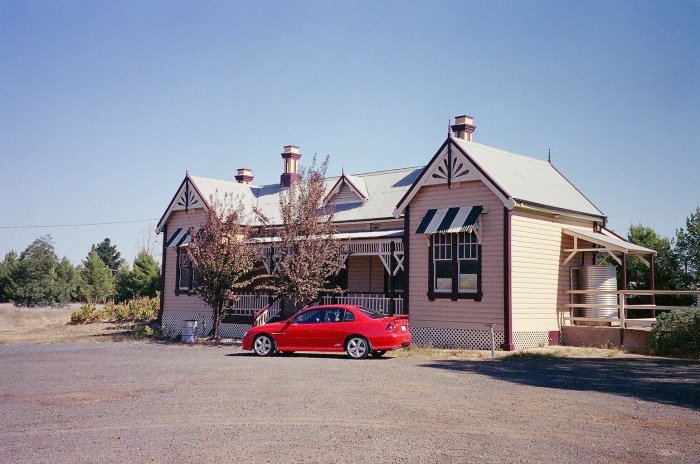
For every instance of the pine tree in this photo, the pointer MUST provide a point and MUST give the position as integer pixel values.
(96, 280)
(145, 275)
(65, 287)
(108, 254)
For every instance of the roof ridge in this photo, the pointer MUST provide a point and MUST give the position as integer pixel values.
(505, 152)
(371, 173)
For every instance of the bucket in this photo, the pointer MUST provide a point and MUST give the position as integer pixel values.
(189, 328)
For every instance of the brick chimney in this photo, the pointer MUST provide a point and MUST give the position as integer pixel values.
(245, 176)
(464, 127)
(291, 157)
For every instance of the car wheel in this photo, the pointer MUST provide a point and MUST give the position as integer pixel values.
(263, 345)
(378, 354)
(357, 347)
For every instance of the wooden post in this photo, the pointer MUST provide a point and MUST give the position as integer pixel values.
(390, 282)
(652, 278)
(622, 310)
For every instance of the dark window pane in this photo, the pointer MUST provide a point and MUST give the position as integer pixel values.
(443, 276)
(312, 316)
(348, 316)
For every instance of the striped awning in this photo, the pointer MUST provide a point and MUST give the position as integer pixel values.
(450, 220)
(180, 237)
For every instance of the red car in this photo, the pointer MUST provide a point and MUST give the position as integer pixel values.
(354, 329)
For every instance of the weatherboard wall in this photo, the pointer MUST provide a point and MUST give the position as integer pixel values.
(463, 314)
(539, 277)
(182, 303)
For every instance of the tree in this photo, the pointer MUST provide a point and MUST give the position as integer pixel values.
(66, 284)
(142, 280)
(688, 250)
(108, 254)
(309, 253)
(96, 280)
(123, 291)
(222, 256)
(7, 270)
(666, 265)
(34, 274)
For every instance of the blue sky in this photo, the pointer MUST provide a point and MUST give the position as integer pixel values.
(103, 105)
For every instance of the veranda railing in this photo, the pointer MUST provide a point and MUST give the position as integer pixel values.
(622, 306)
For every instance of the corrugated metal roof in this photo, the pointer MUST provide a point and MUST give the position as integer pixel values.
(527, 179)
(608, 241)
(383, 189)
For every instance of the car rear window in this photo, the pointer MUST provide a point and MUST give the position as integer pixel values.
(371, 313)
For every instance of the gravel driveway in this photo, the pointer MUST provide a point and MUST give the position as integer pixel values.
(127, 402)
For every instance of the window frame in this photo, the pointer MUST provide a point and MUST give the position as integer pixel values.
(190, 289)
(472, 246)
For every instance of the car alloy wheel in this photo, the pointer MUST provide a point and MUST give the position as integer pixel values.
(357, 347)
(263, 345)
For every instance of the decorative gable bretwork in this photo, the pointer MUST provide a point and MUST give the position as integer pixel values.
(450, 166)
(187, 197)
(348, 189)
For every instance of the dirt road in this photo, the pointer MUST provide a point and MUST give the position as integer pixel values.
(129, 402)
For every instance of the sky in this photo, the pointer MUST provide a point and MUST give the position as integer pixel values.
(104, 105)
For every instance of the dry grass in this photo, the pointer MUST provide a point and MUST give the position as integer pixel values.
(50, 325)
(423, 352)
(427, 352)
(568, 352)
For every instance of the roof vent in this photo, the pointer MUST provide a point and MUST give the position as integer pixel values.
(245, 176)
(464, 127)
(291, 156)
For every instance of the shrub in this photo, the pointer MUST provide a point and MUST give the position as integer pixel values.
(143, 331)
(87, 313)
(677, 333)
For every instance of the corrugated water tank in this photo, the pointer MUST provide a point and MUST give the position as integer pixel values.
(599, 278)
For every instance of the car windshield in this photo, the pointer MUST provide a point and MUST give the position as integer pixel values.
(371, 313)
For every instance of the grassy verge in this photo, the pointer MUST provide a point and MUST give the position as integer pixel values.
(422, 352)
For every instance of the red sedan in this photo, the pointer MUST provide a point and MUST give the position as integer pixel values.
(354, 329)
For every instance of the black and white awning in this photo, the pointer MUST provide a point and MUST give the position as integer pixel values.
(180, 237)
(450, 220)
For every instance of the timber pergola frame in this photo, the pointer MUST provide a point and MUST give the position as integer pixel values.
(612, 244)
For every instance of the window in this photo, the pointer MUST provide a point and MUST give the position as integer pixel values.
(333, 315)
(187, 275)
(313, 316)
(455, 266)
(442, 262)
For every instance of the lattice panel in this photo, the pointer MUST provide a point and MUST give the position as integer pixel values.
(234, 330)
(456, 338)
(524, 340)
(173, 323)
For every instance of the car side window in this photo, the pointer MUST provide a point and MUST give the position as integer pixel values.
(333, 315)
(312, 316)
(349, 316)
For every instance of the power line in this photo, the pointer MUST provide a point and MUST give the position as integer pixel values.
(44, 226)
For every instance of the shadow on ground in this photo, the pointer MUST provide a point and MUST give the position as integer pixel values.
(308, 355)
(667, 381)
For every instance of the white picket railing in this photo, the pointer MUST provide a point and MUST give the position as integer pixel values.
(248, 304)
(375, 302)
(264, 315)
